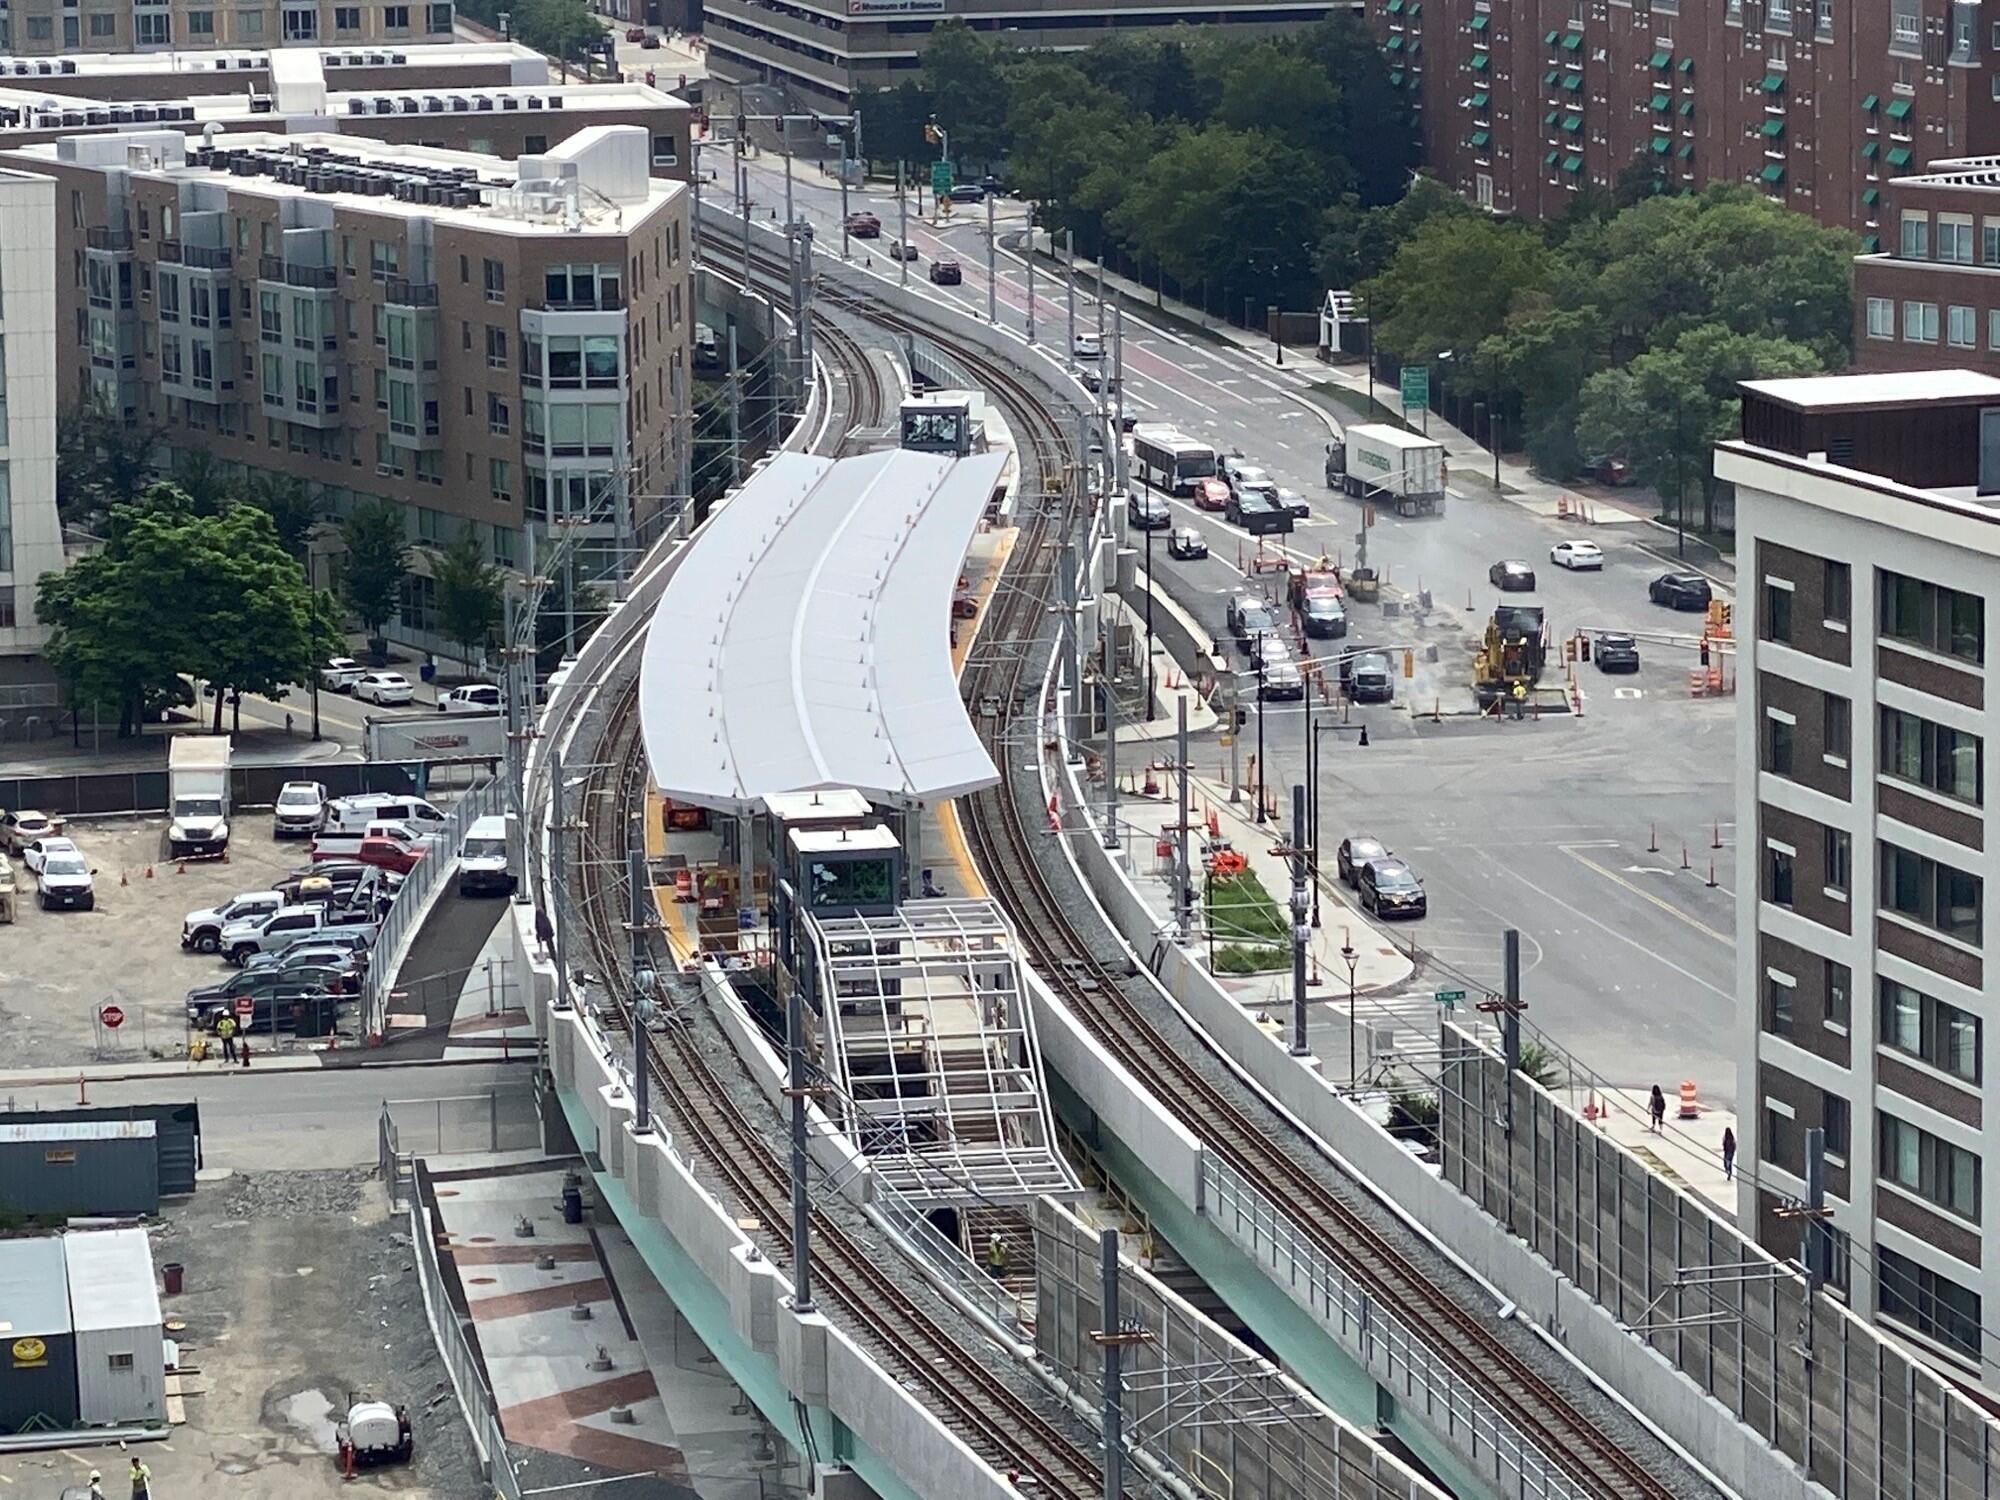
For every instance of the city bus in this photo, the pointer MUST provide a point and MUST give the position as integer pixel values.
(1169, 460)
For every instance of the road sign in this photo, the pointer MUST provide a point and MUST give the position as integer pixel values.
(940, 177)
(1416, 387)
(112, 1016)
(1449, 998)
(244, 1005)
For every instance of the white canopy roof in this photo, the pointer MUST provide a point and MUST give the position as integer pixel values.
(804, 639)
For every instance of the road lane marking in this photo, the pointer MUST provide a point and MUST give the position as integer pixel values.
(1665, 906)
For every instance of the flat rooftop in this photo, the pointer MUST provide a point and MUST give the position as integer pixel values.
(1894, 388)
(43, 110)
(172, 64)
(596, 180)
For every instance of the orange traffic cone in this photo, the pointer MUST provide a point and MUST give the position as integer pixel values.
(149, 872)
(181, 868)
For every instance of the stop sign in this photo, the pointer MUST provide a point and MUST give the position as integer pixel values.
(112, 1016)
(244, 1005)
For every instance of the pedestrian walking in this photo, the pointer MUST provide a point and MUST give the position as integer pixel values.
(1658, 1109)
(226, 1029)
(1728, 1154)
(996, 1258)
(142, 1480)
(96, 1491)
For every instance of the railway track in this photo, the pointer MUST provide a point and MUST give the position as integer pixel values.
(898, 1331)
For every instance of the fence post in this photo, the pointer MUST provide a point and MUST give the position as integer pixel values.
(493, 1119)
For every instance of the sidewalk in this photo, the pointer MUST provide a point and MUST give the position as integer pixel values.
(1688, 1153)
(55, 755)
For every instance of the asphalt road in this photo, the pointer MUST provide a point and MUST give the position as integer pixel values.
(1628, 958)
(295, 1119)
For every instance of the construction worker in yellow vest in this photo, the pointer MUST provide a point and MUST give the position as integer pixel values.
(226, 1029)
(996, 1258)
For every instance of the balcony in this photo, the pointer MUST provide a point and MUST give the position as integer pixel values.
(101, 238)
(604, 301)
(400, 292)
(198, 257)
(318, 278)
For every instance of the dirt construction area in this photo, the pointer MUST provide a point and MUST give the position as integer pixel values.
(58, 969)
(299, 1293)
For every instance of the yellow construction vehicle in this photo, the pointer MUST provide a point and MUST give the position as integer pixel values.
(1514, 651)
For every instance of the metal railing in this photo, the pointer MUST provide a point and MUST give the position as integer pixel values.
(924, 1241)
(449, 1332)
(1399, 1360)
(406, 913)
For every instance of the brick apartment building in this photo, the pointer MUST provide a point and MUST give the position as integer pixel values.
(49, 28)
(1867, 540)
(1932, 293)
(1822, 104)
(506, 344)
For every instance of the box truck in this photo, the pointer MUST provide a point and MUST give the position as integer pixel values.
(1386, 465)
(198, 795)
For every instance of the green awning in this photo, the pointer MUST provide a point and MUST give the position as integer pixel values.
(1394, 44)
(1661, 101)
(1899, 109)
(1394, 7)
(1772, 128)
(1396, 78)
(1685, 65)
(1773, 172)
(1774, 83)
(1871, 196)
(1550, 159)
(1687, 109)
(1481, 61)
(1416, 42)
(1686, 150)
(1572, 164)
(1572, 41)
(1573, 123)
(1871, 245)
(1868, 103)
(1572, 82)
(1550, 39)
(1661, 58)
(1478, 100)
(1416, 8)
(1900, 157)
(1549, 78)
(1549, 119)
(1661, 145)
(1481, 21)
(1479, 138)
(1872, 150)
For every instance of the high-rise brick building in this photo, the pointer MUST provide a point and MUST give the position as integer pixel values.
(1820, 103)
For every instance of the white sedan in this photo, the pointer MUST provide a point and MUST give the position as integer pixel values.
(384, 688)
(38, 851)
(1575, 555)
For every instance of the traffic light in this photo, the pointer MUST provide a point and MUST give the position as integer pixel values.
(931, 132)
(1727, 611)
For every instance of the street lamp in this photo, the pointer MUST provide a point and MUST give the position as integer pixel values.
(1148, 514)
(1352, 958)
(1261, 635)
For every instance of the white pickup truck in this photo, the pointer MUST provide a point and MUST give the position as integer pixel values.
(278, 930)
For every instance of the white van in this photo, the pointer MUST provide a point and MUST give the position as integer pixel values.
(482, 859)
(352, 815)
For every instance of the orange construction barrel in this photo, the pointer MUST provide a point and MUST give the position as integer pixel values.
(1689, 1109)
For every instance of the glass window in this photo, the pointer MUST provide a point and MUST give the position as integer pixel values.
(1779, 733)
(1839, 990)
(102, 26)
(1777, 1004)
(1933, 617)
(1932, 1168)
(600, 359)
(1777, 612)
(1962, 327)
(1882, 317)
(1933, 1305)
(1835, 1119)
(565, 361)
(566, 428)
(1836, 591)
(500, 478)
(1954, 239)
(1777, 875)
(1916, 241)
(1839, 855)
(6, 519)
(1920, 322)
(1930, 1029)
(1934, 894)
(1836, 726)
(602, 427)
(1937, 756)
(496, 280)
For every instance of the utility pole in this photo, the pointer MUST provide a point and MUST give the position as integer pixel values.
(643, 976)
(1183, 869)
(902, 230)
(1109, 1340)
(1031, 270)
(1301, 931)
(1106, 690)
(992, 265)
(1261, 818)
(785, 134)
(795, 1054)
(801, 370)
(1100, 298)
(1235, 747)
(1312, 798)
(1069, 290)
(1072, 657)
(1510, 1014)
(1149, 624)
(1118, 395)
(558, 873)
(843, 192)
(735, 401)
(805, 299)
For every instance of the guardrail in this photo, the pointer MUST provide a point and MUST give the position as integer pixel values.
(406, 913)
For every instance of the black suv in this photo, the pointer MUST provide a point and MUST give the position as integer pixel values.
(1389, 888)
(1680, 591)
(1616, 653)
(1325, 617)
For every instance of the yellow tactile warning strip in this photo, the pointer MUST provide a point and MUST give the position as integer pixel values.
(948, 825)
(673, 916)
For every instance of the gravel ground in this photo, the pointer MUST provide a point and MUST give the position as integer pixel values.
(1024, 786)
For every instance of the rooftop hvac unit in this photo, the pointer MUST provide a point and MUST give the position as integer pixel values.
(508, 101)
(72, 117)
(482, 101)
(376, 59)
(384, 106)
(357, 106)
(67, 66)
(433, 105)
(408, 105)
(555, 101)
(534, 101)
(145, 114)
(249, 62)
(261, 104)
(98, 116)
(45, 70)
(398, 58)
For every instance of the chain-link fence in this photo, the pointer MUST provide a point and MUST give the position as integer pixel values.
(406, 912)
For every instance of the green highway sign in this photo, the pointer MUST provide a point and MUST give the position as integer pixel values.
(940, 177)
(1416, 387)
(1449, 998)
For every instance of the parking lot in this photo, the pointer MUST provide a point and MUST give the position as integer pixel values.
(58, 969)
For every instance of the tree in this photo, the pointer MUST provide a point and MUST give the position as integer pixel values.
(1668, 408)
(561, 28)
(468, 592)
(1453, 284)
(965, 74)
(208, 482)
(101, 460)
(293, 506)
(892, 123)
(378, 559)
(1357, 242)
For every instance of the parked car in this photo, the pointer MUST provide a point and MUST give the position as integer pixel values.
(298, 810)
(393, 847)
(352, 815)
(1297, 504)
(275, 1003)
(1512, 577)
(635, 33)
(1147, 511)
(1355, 851)
(1095, 379)
(38, 850)
(281, 929)
(1248, 617)
(1187, 544)
(341, 673)
(1211, 494)
(471, 698)
(650, 42)
(1238, 474)
(273, 975)
(1280, 680)
(946, 273)
(1324, 617)
(1615, 653)
(902, 250)
(65, 881)
(1390, 888)
(1267, 649)
(341, 950)
(1680, 591)
(20, 829)
(1578, 555)
(864, 226)
(339, 876)
(202, 930)
(384, 689)
(1087, 346)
